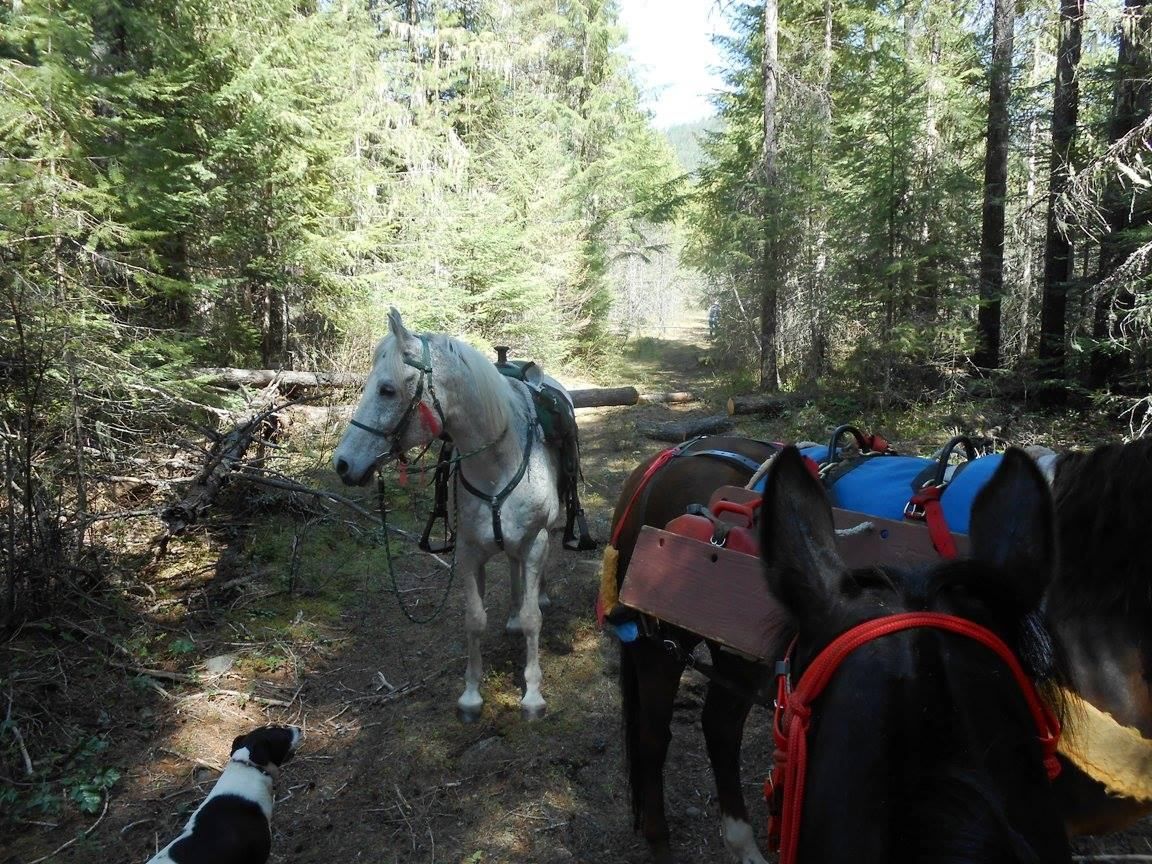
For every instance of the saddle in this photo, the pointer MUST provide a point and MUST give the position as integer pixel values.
(879, 482)
(557, 417)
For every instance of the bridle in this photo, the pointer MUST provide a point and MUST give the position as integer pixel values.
(793, 713)
(424, 365)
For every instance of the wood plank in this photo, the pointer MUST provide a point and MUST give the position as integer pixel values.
(887, 541)
(722, 595)
(717, 593)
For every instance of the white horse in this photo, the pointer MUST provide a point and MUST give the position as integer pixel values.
(504, 494)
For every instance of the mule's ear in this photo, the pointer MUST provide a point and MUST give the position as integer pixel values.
(797, 535)
(1012, 526)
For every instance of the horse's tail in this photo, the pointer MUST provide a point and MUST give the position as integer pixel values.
(630, 706)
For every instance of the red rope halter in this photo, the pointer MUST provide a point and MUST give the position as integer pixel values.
(794, 711)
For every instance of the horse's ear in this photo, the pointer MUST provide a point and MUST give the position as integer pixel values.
(1013, 527)
(797, 535)
(396, 325)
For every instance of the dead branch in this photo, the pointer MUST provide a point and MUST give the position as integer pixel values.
(224, 456)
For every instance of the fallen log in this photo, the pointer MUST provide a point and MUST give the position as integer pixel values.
(592, 397)
(675, 397)
(677, 431)
(226, 377)
(225, 456)
(604, 397)
(757, 403)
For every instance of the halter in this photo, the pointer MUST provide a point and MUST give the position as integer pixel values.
(424, 365)
(794, 712)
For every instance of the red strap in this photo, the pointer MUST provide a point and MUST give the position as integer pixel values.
(925, 505)
(429, 421)
(794, 709)
(812, 465)
(659, 462)
(877, 443)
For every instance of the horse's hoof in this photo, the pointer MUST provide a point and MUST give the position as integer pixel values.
(533, 712)
(469, 714)
(512, 627)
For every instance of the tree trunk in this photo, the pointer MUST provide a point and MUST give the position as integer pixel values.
(818, 337)
(995, 189)
(1131, 105)
(769, 264)
(1058, 258)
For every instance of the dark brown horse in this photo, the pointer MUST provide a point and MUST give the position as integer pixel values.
(1100, 604)
(650, 668)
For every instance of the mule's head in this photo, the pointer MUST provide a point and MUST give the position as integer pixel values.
(390, 418)
(921, 747)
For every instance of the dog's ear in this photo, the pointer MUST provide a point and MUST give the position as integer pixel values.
(272, 745)
(238, 742)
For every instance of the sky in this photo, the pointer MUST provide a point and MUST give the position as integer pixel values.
(669, 46)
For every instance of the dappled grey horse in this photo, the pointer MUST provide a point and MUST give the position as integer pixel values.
(504, 495)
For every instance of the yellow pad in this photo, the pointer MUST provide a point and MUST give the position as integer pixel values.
(609, 590)
(1117, 756)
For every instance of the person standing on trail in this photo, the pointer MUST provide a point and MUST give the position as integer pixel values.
(713, 319)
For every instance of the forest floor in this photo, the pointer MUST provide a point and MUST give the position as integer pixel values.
(283, 613)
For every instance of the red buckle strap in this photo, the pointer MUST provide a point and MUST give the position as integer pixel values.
(925, 505)
(794, 712)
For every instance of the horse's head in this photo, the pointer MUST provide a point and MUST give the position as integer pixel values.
(395, 412)
(922, 745)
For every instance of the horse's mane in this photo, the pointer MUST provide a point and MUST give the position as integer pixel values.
(487, 393)
(1103, 500)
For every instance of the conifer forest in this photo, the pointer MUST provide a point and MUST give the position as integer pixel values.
(895, 206)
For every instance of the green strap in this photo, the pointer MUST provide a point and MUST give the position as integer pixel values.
(494, 501)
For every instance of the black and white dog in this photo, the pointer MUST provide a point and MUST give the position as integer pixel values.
(234, 824)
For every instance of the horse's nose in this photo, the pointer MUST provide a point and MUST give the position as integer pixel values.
(341, 466)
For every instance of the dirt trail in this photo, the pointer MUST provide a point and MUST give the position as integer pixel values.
(387, 774)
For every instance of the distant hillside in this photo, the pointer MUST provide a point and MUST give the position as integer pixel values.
(685, 141)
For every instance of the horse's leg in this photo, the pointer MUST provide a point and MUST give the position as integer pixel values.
(470, 703)
(516, 589)
(723, 723)
(532, 705)
(516, 581)
(649, 679)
